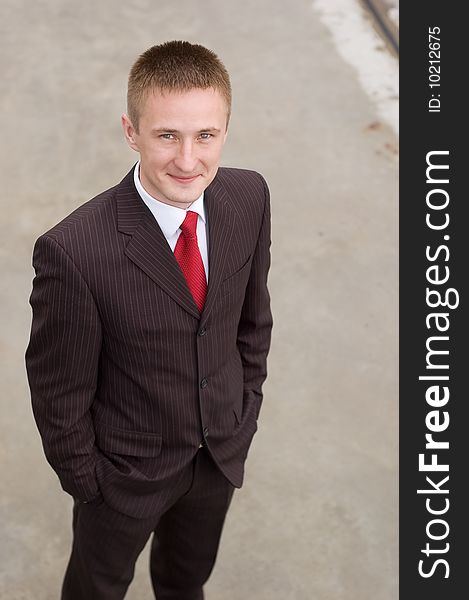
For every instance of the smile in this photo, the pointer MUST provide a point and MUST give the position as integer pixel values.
(184, 179)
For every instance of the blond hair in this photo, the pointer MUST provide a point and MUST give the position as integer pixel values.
(175, 66)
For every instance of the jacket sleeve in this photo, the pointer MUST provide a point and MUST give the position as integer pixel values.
(255, 326)
(62, 363)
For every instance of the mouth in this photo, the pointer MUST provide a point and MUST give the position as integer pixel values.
(184, 180)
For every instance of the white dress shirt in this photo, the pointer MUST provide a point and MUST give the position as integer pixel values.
(170, 218)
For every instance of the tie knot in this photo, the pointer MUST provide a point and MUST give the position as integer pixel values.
(189, 225)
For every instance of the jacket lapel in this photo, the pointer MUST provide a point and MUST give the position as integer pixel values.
(149, 250)
(221, 221)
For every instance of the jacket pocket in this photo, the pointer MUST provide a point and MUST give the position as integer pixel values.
(236, 281)
(238, 410)
(127, 443)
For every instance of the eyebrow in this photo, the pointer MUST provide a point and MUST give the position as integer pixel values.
(168, 130)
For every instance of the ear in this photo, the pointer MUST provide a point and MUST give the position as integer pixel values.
(129, 132)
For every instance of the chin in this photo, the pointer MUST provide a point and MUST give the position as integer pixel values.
(187, 195)
(183, 199)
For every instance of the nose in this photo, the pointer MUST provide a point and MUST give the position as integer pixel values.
(186, 160)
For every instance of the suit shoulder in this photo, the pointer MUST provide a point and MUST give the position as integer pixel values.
(246, 189)
(91, 217)
(241, 176)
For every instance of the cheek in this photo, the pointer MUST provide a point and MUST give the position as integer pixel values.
(212, 158)
(158, 158)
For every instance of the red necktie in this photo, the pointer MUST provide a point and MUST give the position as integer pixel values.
(187, 254)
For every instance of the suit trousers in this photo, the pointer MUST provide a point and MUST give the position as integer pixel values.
(106, 543)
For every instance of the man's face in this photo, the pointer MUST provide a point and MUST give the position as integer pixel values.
(180, 139)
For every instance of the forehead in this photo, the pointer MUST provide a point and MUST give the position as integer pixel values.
(191, 104)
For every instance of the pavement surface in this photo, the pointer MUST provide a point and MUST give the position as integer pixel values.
(317, 517)
(387, 13)
(392, 10)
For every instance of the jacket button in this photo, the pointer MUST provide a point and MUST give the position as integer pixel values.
(205, 432)
(202, 332)
(203, 383)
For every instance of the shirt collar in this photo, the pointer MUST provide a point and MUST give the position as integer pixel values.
(169, 217)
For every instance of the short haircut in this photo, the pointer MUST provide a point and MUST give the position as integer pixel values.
(175, 66)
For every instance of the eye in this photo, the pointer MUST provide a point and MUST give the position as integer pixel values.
(205, 136)
(167, 136)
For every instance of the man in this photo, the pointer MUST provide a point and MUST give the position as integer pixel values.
(150, 333)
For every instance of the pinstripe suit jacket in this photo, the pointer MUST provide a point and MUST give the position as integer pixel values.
(126, 376)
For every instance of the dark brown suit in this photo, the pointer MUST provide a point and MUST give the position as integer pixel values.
(126, 377)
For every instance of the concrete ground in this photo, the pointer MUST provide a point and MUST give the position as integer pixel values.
(317, 516)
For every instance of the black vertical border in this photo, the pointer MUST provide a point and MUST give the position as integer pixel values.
(421, 132)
